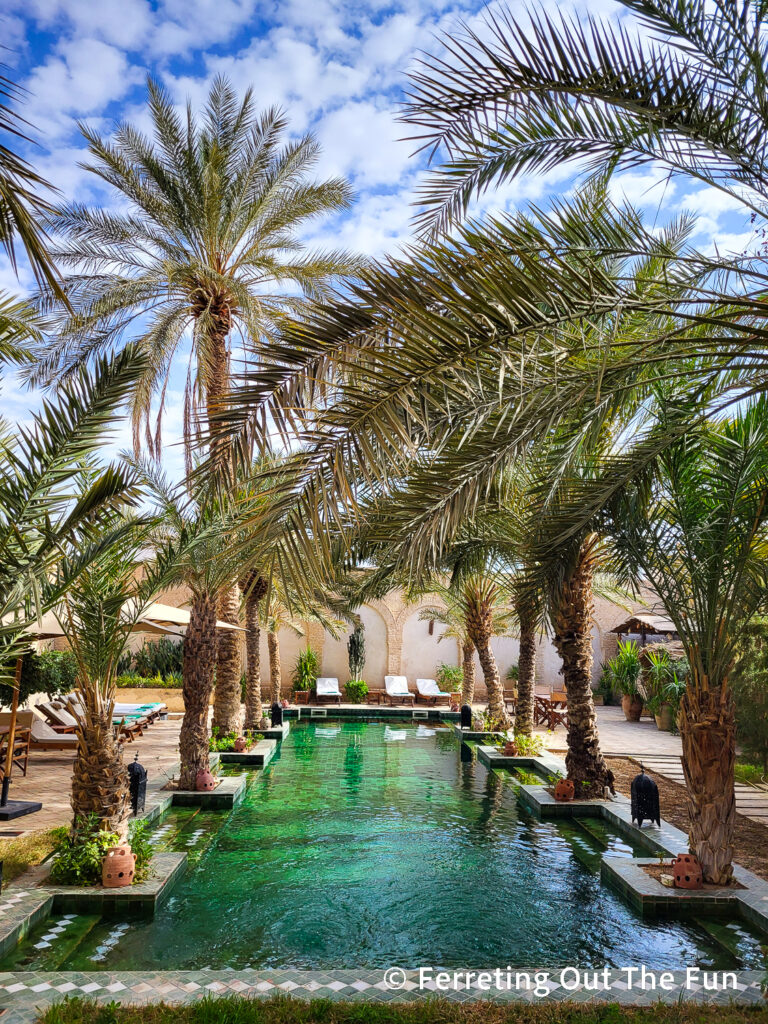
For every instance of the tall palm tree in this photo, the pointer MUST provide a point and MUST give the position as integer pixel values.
(208, 249)
(254, 589)
(696, 528)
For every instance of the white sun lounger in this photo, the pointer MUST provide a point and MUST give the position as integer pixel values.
(430, 693)
(397, 691)
(327, 689)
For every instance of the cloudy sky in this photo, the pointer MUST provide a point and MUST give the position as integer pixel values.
(336, 68)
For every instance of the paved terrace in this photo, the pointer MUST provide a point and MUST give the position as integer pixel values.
(49, 775)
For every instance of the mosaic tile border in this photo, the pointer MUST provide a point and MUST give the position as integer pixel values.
(31, 992)
(478, 737)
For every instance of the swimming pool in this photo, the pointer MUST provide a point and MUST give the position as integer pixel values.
(367, 844)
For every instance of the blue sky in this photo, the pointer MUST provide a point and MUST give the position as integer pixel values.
(336, 68)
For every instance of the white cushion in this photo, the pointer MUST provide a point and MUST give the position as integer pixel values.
(429, 688)
(396, 686)
(327, 686)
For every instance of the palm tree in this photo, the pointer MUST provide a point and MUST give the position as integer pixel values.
(97, 614)
(696, 528)
(208, 248)
(454, 614)
(254, 588)
(22, 207)
(680, 85)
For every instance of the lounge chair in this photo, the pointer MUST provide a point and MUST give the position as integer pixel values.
(396, 690)
(42, 736)
(59, 719)
(327, 690)
(65, 720)
(428, 692)
(20, 751)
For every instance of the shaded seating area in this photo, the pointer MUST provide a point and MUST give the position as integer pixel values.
(428, 692)
(327, 690)
(551, 711)
(65, 720)
(20, 749)
(41, 735)
(396, 690)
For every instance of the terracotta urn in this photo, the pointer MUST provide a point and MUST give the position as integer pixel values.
(564, 790)
(632, 707)
(240, 744)
(204, 781)
(284, 704)
(687, 871)
(118, 867)
(510, 749)
(454, 706)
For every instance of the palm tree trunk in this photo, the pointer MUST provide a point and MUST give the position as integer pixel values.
(227, 704)
(468, 672)
(708, 732)
(254, 588)
(99, 779)
(274, 665)
(573, 641)
(480, 629)
(526, 668)
(198, 669)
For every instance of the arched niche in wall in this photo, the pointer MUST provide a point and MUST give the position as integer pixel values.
(423, 649)
(335, 660)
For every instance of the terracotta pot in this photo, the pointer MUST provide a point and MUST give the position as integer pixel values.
(665, 718)
(632, 707)
(510, 749)
(454, 706)
(264, 724)
(118, 867)
(240, 744)
(204, 782)
(687, 871)
(284, 704)
(565, 790)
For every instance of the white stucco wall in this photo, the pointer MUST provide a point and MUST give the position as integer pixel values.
(335, 660)
(422, 654)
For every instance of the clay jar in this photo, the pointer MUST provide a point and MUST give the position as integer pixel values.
(564, 790)
(632, 707)
(240, 744)
(510, 749)
(118, 867)
(204, 781)
(687, 871)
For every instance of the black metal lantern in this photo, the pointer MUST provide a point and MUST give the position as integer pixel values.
(137, 775)
(276, 714)
(466, 716)
(645, 799)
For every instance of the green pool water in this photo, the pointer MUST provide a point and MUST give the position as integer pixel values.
(367, 844)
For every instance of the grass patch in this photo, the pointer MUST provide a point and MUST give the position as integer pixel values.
(284, 1010)
(24, 852)
(747, 771)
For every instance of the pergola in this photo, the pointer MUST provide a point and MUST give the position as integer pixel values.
(646, 623)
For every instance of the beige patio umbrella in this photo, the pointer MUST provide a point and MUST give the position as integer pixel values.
(168, 615)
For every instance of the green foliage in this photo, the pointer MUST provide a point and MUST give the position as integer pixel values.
(159, 657)
(529, 746)
(51, 672)
(226, 742)
(356, 651)
(79, 852)
(513, 673)
(749, 680)
(605, 687)
(306, 671)
(449, 677)
(356, 691)
(138, 836)
(133, 682)
(623, 672)
(665, 680)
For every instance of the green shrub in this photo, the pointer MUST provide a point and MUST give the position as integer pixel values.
(449, 677)
(513, 673)
(529, 746)
(158, 657)
(50, 672)
(138, 836)
(749, 680)
(306, 671)
(357, 691)
(79, 853)
(172, 681)
(222, 744)
(623, 671)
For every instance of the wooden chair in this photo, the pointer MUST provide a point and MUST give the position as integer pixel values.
(20, 751)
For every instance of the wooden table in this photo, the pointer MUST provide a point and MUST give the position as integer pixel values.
(375, 697)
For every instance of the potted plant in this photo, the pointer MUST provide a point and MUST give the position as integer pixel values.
(665, 682)
(625, 671)
(450, 679)
(304, 675)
